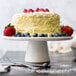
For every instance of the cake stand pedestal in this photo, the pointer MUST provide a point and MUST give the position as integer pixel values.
(37, 52)
(36, 49)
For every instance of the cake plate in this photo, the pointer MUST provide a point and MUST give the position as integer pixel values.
(36, 49)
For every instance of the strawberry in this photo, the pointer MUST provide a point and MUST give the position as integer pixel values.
(25, 10)
(46, 10)
(30, 10)
(67, 29)
(62, 28)
(9, 30)
(41, 10)
(37, 9)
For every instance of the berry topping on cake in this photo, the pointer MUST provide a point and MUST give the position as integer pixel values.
(18, 34)
(43, 35)
(51, 35)
(25, 10)
(9, 30)
(30, 10)
(35, 35)
(41, 10)
(64, 34)
(67, 29)
(46, 10)
(37, 9)
(57, 35)
(26, 34)
(62, 28)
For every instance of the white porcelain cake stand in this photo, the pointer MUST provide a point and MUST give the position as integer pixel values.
(37, 50)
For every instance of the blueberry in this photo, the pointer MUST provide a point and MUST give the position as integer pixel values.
(46, 65)
(18, 34)
(35, 35)
(26, 35)
(64, 34)
(22, 35)
(43, 35)
(57, 35)
(51, 35)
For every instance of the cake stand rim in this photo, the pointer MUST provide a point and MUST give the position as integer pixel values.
(37, 38)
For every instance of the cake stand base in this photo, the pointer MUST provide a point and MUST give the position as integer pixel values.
(37, 52)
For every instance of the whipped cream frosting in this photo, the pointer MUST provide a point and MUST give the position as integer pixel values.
(37, 14)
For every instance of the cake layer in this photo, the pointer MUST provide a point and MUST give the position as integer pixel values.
(38, 22)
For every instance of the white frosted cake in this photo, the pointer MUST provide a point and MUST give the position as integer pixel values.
(37, 22)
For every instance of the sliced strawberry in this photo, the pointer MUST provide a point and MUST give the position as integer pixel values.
(25, 10)
(30, 10)
(46, 10)
(37, 9)
(41, 10)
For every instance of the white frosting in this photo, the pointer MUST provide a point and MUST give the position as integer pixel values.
(37, 14)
